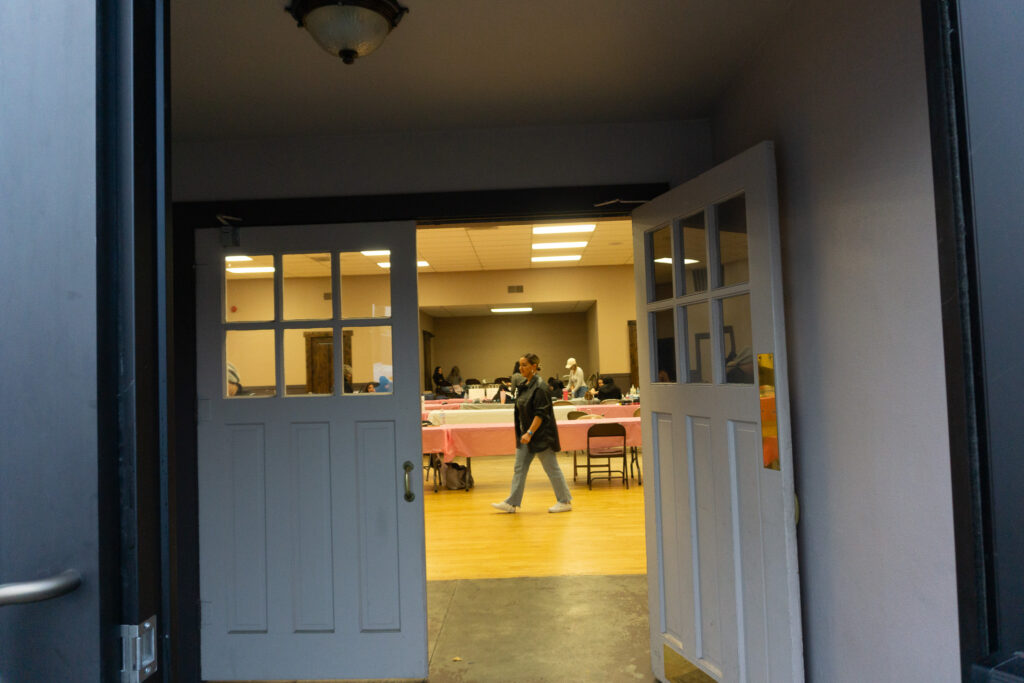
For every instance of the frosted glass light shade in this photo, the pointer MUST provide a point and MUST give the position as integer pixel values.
(347, 31)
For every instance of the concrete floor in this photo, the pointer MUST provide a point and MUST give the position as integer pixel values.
(532, 630)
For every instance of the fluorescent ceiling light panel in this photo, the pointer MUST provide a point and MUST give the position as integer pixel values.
(666, 259)
(558, 229)
(252, 269)
(232, 259)
(512, 310)
(559, 245)
(422, 264)
(376, 252)
(567, 257)
(384, 264)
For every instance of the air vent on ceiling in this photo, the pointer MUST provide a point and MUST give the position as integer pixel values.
(515, 289)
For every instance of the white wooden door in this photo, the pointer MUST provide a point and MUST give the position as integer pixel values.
(721, 534)
(311, 554)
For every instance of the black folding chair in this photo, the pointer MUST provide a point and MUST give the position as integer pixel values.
(612, 446)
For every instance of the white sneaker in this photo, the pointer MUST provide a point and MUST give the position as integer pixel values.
(560, 507)
(503, 506)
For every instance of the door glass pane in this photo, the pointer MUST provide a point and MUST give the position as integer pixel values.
(697, 321)
(250, 363)
(308, 362)
(737, 340)
(306, 286)
(732, 241)
(663, 324)
(366, 284)
(695, 253)
(248, 288)
(659, 255)
(366, 353)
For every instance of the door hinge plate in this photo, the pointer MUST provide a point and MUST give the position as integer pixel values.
(138, 651)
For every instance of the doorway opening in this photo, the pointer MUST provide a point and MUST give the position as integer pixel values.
(484, 302)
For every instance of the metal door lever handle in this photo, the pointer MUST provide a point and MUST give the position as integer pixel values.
(41, 589)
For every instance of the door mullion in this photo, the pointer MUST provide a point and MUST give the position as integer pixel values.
(279, 377)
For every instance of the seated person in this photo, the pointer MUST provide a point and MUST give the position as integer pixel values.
(383, 385)
(438, 378)
(504, 392)
(608, 389)
(555, 388)
(371, 387)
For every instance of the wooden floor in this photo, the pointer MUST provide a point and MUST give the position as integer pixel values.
(468, 539)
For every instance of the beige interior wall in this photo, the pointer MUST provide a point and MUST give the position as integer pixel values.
(486, 347)
(611, 286)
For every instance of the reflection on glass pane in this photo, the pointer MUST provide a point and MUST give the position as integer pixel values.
(366, 284)
(306, 286)
(250, 363)
(737, 338)
(308, 362)
(769, 417)
(697, 319)
(659, 253)
(732, 241)
(248, 288)
(695, 253)
(663, 325)
(366, 353)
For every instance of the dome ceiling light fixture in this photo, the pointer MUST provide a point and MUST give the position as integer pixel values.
(347, 28)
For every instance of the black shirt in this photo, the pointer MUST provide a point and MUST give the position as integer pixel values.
(608, 390)
(532, 400)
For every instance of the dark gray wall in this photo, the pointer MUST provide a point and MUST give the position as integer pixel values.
(993, 64)
(840, 88)
(441, 161)
(48, 399)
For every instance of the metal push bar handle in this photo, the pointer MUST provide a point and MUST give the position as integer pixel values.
(41, 589)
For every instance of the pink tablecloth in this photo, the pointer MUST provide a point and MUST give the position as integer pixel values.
(608, 410)
(435, 439)
(447, 403)
(476, 440)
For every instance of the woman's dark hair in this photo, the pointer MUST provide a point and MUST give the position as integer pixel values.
(532, 359)
(515, 368)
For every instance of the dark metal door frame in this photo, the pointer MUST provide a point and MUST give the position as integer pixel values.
(973, 63)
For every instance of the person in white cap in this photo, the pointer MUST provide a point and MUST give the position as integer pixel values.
(577, 381)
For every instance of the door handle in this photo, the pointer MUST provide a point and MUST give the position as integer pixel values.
(409, 495)
(40, 589)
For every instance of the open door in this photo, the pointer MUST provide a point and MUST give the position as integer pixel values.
(720, 505)
(310, 510)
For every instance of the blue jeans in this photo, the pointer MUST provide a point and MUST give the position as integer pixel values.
(580, 392)
(549, 459)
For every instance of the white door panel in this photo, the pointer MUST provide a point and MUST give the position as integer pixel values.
(311, 558)
(722, 562)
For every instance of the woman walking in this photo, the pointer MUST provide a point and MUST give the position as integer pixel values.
(536, 435)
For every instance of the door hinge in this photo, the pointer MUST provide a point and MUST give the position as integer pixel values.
(138, 651)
